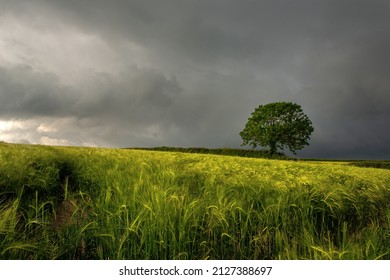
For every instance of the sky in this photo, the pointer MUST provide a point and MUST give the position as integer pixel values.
(146, 73)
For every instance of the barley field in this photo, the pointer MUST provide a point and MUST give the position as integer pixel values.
(96, 203)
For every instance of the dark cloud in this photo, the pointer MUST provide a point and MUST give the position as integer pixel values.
(135, 93)
(189, 73)
(348, 81)
(25, 93)
(135, 99)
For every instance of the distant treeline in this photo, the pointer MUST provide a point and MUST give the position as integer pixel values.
(221, 151)
(384, 164)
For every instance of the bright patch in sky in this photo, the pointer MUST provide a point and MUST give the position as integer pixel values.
(9, 125)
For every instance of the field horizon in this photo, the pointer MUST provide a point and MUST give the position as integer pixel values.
(103, 203)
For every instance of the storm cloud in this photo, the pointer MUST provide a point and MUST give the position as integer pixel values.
(189, 73)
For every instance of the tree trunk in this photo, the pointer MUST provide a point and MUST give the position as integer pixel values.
(272, 147)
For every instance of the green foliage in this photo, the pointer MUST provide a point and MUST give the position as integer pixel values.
(278, 125)
(88, 203)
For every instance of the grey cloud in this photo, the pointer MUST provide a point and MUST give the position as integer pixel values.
(134, 99)
(210, 63)
(197, 31)
(136, 95)
(348, 81)
(25, 93)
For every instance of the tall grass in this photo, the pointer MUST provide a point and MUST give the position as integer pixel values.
(88, 203)
(222, 151)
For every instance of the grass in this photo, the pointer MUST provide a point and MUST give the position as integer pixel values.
(89, 203)
(222, 151)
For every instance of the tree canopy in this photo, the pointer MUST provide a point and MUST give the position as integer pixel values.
(278, 125)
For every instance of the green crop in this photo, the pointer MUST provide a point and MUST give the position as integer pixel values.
(95, 203)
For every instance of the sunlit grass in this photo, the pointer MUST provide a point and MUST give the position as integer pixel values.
(89, 203)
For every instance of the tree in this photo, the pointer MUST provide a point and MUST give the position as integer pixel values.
(278, 125)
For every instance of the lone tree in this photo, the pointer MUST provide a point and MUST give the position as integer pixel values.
(278, 125)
